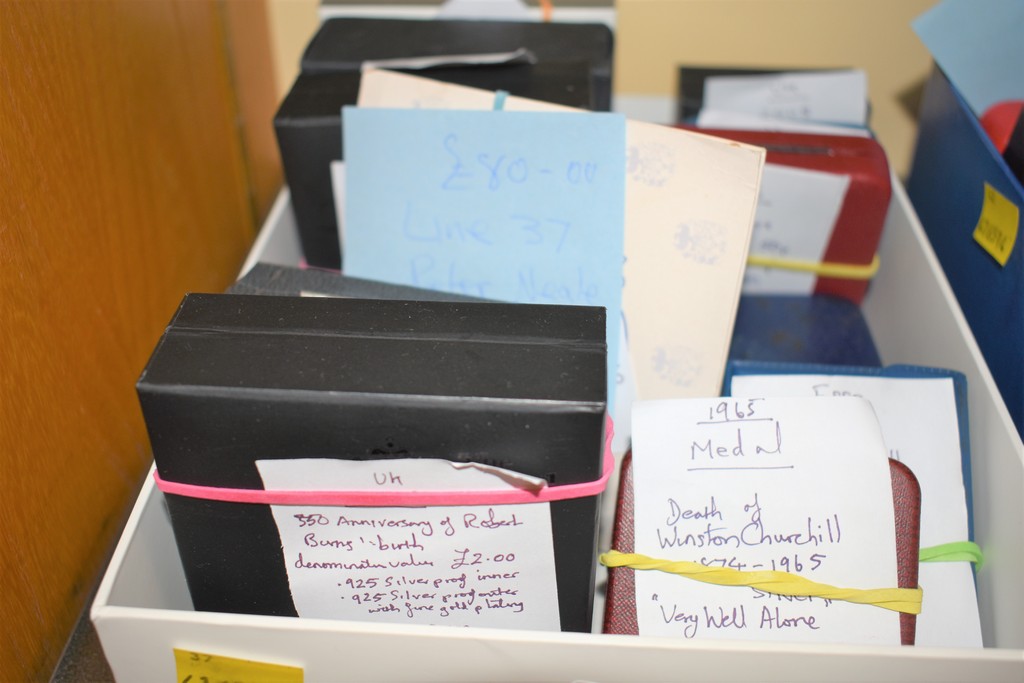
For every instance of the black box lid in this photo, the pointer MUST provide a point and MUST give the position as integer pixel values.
(236, 378)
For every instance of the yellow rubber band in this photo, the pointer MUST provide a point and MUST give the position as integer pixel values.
(780, 583)
(960, 551)
(844, 271)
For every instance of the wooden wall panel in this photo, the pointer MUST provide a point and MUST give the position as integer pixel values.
(123, 186)
(256, 89)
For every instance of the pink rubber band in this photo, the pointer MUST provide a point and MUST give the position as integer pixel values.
(398, 498)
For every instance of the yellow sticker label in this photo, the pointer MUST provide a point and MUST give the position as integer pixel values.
(199, 667)
(997, 226)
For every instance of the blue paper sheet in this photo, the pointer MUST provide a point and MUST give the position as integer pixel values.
(980, 46)
(524, 207)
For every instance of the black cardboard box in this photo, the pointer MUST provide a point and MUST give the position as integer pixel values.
(308, 129)
(238, 378)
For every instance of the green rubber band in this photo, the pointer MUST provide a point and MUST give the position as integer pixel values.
(959, 551)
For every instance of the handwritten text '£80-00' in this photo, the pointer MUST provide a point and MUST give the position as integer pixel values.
(525, 227)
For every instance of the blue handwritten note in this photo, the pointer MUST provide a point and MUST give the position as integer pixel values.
(525, 207)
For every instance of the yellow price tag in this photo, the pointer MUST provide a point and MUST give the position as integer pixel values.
(199, 667)
(997, 226)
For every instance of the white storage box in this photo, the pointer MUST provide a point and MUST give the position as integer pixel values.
(142, 610)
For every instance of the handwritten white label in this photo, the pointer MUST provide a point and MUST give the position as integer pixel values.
(796, 213)
(919, 423)
(794, 485)
(832, 96)
(690, 202)
(475, 565)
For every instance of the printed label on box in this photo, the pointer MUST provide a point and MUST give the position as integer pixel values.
(996, 231)
(474, 565)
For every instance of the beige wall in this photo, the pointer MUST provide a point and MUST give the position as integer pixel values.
(654, 37)
(292, 24)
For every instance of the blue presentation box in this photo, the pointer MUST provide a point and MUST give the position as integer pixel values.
(955, 164)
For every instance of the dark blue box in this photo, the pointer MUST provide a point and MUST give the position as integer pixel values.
(954, 163)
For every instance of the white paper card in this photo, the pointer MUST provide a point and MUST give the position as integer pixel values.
(919, 424)
(507, 10)
(520, 56)
(826, 96)
(797, 485)
(475, 565)
(796, 214)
